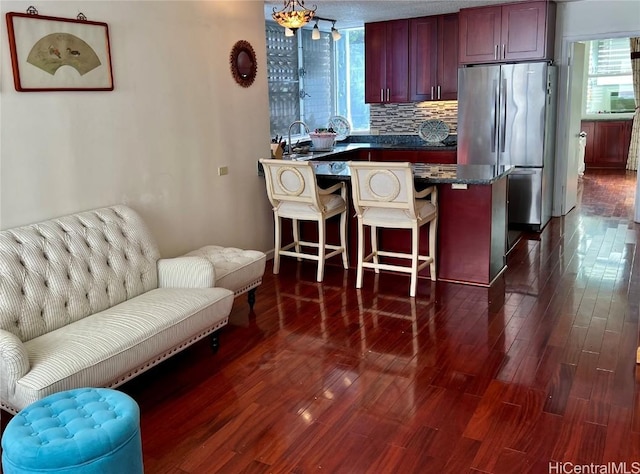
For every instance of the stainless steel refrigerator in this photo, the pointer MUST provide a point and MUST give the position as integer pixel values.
(506, 116)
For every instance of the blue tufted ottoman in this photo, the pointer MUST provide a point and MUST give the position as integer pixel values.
(86, 430)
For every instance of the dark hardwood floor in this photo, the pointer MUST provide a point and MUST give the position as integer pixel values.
(326, 378)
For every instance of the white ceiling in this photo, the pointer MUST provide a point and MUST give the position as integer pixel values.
(348, 13)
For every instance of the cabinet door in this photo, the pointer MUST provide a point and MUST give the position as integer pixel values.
(439, 157)
(370, 155)
(524, 31)
(423, 58)
(386, 58)
(610, 147)
(375, 66)
(397, 61)
(412, 156)
(447, 86)
(479, 35)
(418, 156)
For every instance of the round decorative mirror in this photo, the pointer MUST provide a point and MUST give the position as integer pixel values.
(243, 63)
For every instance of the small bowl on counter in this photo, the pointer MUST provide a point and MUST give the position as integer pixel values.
(323, 141)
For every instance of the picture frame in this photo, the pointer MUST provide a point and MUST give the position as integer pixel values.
(59, 54)
(243, 63)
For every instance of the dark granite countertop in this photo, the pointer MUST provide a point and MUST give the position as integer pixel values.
(333, 164)
(341, 148)
(425, 172)
(407, 141)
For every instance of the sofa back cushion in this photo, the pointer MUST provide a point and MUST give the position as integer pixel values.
(59, 271)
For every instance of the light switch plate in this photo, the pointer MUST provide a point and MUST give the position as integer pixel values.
(223, 170)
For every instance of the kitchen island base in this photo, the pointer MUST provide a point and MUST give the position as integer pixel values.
(472, 236)
(472, 218)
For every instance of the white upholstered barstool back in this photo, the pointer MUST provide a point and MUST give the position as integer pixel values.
(384, 196)
(294, 194)
(291, 181)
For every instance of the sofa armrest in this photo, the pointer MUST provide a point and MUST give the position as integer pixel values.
(186, 272)
(14, 363)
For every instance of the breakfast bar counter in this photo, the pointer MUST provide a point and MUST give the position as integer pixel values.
(472, 215)
(472, 218)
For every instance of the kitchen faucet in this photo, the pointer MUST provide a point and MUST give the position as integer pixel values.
(306, 129)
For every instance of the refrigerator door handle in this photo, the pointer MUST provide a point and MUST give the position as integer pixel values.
(523, 172)
(503, 124)
(494, 122)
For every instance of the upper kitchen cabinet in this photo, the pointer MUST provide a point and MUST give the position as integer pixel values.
(386, 58)
(512, 32)
(433, 57)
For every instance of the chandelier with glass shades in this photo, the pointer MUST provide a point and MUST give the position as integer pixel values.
(291, 18)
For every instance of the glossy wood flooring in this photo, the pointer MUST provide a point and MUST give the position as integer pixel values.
(325, 378)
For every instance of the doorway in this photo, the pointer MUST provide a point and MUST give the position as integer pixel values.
(606, 127)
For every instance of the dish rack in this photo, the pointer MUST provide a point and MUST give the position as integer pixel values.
(323, 141)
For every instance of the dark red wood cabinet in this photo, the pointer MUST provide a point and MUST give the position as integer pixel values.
(449, 157)
(607, 143)
(386, 60)
(412, 156)
(411, 60)
(510, 32)
(589, 127)
(433, 57)
(419, 156)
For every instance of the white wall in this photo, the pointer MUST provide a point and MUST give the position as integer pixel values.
(597, 17)
(582, 20)
(156, 141)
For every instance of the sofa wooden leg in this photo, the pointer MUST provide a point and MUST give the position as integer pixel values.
(215, 341)
(251, 297)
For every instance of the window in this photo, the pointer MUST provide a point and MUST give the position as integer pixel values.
(312, 80)
(350, 79)
(609, 79)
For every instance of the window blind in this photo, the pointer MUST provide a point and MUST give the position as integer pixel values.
(282, 77)
(609, 81)
(300, 76)
(610, 57)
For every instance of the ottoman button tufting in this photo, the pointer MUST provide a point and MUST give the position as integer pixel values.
(111, 446)
(236, 269)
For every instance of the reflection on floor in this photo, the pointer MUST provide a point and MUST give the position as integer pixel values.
(608, 193)
(326, 378)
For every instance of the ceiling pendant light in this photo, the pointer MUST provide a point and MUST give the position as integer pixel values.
(291, 18)
(315, 34)
(335, 34)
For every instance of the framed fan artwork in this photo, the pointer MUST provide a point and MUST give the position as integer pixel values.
(59, 54)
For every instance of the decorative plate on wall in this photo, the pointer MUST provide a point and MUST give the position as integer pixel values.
(341, 126)
(433, 131)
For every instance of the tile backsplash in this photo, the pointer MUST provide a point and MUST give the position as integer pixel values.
(404, 119)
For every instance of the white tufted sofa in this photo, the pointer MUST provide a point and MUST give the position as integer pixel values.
(85, 300)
